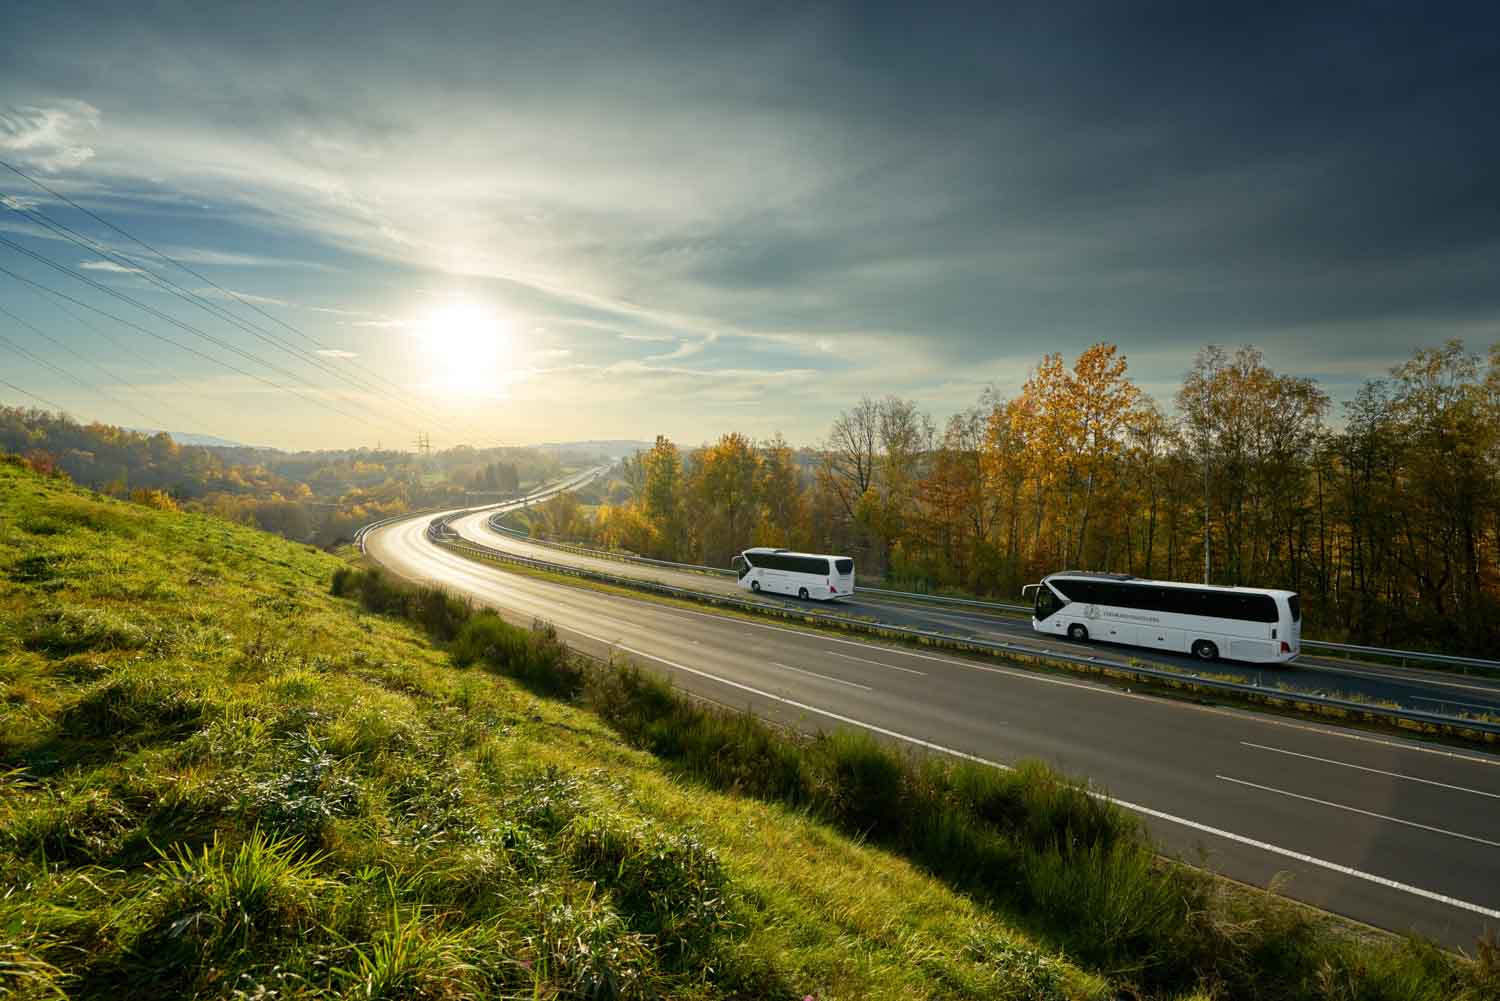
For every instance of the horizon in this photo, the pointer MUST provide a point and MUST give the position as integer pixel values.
(500, 227)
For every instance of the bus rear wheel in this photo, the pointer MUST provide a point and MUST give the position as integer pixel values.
(802, 593)
(1204, 650)
(755, 586)
(1078, 631)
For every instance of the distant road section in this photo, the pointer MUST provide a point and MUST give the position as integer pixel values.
(1386, 831)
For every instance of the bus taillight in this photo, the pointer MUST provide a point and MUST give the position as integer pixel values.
(1286, 647)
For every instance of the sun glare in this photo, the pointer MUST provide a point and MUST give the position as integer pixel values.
(469, 348)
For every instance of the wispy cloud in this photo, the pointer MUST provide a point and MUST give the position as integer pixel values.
(231, 295)
(51, 137)
(110, 266)
(335, 353)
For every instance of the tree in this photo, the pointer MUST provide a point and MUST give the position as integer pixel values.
(726, 486)
(662, 497)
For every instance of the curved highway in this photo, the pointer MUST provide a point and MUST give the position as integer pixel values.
(1412, 688)
(1386, 831)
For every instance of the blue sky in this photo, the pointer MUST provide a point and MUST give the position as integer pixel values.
(544, 223)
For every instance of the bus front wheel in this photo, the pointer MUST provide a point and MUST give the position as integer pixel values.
(1204, 650)
(1078, 631)
(755, 586)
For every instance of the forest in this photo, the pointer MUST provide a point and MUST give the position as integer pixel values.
(1384, 513)
(319, 497)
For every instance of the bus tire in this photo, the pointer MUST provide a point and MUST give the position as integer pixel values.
(755, 586)
(802, 593)
(1204, 650)
(1078, 631)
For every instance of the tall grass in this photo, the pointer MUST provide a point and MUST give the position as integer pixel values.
(1027, 840)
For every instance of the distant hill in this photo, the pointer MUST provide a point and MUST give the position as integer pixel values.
(192, 438)
(613, 448)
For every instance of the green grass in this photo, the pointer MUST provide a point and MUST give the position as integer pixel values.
(218, 778)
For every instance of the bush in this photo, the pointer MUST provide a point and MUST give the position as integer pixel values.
(535, 657)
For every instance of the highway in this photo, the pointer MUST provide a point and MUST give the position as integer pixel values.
(1412, 688)
(1386, 831)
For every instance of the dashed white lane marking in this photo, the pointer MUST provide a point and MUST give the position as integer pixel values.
(876, 663)
(815, 674)
(1355, 809)
(1366, 768)
(1265, 846)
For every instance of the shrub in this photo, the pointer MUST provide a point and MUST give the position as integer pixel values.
(535, 657)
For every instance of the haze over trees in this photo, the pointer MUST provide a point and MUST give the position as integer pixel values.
(318, 497)
(1386, 520)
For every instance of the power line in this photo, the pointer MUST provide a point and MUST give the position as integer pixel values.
(85, 323)
(116, 293)
(196, 299)
(38, 359)
(145, 330)
(229, 292)
(40, 399)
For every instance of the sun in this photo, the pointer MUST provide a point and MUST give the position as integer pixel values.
(469, 348)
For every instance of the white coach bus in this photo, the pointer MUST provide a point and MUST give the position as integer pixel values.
(807, 575)
(1237, 623)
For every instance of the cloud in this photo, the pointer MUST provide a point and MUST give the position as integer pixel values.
(898, 202)
(51, 137)
(335, 353)
(110, 266)
(211, 292)
(388, 322)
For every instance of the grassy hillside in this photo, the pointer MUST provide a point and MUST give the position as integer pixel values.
(217, 780)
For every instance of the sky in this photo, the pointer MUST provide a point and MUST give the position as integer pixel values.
(509, 223)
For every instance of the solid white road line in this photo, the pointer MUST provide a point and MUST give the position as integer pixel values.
(1415, 891)
(1265, 846)
(825, 677)
(1355, 809)
(876, 663)
(1377, 771)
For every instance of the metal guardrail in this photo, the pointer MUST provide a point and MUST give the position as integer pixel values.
(1405, 655)
(439, 532)
(1402, 656)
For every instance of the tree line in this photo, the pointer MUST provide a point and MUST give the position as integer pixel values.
(319, 497)
(1387, 520)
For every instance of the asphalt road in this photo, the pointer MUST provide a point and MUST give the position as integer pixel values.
(1386, 831)
(1413, 688)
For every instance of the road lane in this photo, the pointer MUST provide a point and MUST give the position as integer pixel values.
(1413, 688)
(1160, 755)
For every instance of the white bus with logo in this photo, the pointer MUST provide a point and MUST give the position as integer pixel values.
(806, 575)
(1256, 625)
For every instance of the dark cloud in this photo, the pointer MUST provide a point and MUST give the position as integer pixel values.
(981, 180)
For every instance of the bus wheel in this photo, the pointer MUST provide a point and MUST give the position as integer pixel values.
(1078, 631)
(1204, 650)
(802, 593)
(755, 586)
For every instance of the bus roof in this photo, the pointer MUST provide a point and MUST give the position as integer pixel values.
(1131, 579)
(793, 552)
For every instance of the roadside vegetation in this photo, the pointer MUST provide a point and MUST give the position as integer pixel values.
(233, 766)
(1385, 517)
